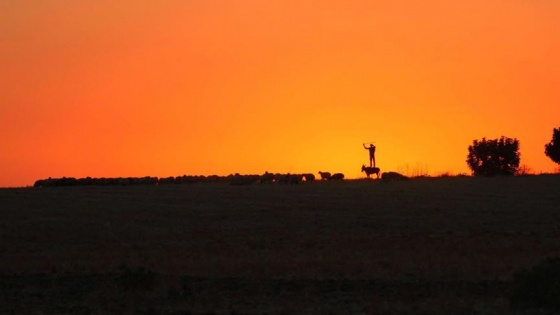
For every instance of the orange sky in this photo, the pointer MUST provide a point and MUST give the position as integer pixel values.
(113, 88)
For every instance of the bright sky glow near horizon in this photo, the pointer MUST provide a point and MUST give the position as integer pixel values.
(165, 88)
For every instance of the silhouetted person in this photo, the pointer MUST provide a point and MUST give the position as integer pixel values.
(371, 150)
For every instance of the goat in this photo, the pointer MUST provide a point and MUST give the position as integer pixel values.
(370, 170)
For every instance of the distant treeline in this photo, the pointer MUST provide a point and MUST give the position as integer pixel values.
(232, 179)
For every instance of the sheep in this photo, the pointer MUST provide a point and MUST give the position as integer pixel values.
(337, 176)
(166, 180)
(40, 183)
(370, 170)
(279, 178)
(267, 177)
(238, 180)
(294, 179)
(308, 177)
(389, 176)
(325, 175)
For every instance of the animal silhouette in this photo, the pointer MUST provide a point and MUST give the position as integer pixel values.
(337, 176)
(370, 170)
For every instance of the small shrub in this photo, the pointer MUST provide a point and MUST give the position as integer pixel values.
(445, 174)
(523, 170)
(539, 287)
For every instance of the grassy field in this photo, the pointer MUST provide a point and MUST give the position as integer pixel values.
(427, 245)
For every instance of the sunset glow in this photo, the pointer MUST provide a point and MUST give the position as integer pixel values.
(166, 88)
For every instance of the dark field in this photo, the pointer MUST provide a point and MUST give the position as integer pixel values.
(431, 246)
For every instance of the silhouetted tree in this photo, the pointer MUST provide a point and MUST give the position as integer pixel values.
(552, 149)
(494, 156)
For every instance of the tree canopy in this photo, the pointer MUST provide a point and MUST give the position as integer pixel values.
(490, 157)
(552, 149)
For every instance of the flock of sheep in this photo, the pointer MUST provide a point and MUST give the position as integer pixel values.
(233, 179)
